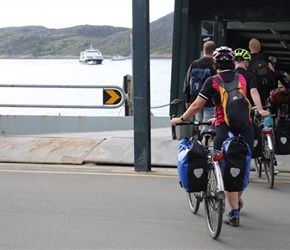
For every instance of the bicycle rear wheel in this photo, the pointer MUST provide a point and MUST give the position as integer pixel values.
(269, 157)
(213, 205)
(258, 167)
(194, 200)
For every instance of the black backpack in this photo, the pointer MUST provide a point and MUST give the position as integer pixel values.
(236, 106)
(262, 71)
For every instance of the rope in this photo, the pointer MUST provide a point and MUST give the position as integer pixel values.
(176, 101)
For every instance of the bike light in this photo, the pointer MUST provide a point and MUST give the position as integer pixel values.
(268, 131)
(218, 157)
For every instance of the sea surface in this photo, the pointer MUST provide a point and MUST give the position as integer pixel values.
(71, 72)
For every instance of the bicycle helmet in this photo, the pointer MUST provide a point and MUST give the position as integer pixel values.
(242, 55)
(223, 53)
(272, 59)
(285, 75)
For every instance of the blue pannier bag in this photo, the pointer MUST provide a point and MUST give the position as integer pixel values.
(192, 165)
(237, 162)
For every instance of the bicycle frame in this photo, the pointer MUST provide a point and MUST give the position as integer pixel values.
(268, 151)
(269, 134)
(220, 183)
(214, 162)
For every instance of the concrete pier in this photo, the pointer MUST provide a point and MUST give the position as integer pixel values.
(105, 147)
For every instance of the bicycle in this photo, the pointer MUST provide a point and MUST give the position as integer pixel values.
(268, 159)
(214, 196)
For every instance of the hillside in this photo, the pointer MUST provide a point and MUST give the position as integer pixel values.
(40, 42)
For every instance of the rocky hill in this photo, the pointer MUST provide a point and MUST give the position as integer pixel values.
(40, 42)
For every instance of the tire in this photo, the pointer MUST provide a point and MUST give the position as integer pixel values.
(194, 200)
(269, 157)
(213, 206)
(258, 167)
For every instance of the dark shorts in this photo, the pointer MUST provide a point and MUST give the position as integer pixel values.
(222, 131)
(235, 168)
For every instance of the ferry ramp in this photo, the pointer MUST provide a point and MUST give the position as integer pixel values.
(100, 148)
(106, 147)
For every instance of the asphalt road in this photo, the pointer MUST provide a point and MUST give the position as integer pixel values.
(107, 207)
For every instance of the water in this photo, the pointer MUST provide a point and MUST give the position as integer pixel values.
(71, 72)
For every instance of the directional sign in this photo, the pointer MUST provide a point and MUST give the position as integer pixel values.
(111, 96)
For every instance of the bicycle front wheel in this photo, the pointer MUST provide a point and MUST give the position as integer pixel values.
(214, 206)
(194, 200)
(269, 157)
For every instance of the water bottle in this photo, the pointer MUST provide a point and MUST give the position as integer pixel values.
(268, 121)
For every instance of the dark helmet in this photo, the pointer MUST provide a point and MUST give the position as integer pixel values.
(223, 53)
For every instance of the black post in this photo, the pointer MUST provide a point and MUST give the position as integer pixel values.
(141, 79)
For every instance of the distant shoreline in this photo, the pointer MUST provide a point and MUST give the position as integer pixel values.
(77, 57)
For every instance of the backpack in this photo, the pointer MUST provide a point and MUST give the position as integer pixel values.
(237, 163)
(192, 165)
(262, 71)
(280, 95)
(236, 106)
(197, 78)
(281, 128)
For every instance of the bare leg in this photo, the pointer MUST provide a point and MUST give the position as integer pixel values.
(240, 194)
(233, 199)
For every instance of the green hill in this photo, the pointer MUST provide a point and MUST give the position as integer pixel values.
(40, 42)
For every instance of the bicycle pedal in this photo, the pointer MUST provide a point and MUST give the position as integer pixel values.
(199, 199)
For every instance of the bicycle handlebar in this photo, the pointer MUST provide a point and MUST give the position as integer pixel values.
(255, 109)
(187, 123)
(196, 123)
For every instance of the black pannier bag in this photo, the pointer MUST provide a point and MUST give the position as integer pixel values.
(192, 165)
(237, 163)
(257, 147)
(282, 135)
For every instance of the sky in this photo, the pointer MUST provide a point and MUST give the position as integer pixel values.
(68, 13)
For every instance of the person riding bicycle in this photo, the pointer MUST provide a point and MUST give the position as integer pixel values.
(241, 60)
(224, 64)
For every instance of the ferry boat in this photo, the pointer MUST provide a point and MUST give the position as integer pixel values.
(91, 56)
(118, 58)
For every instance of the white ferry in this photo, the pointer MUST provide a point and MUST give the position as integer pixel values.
(118, 58)
(91, 56)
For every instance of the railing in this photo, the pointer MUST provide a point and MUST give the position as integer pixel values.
(113, 96)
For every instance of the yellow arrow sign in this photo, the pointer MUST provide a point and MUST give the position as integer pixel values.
(111, 96)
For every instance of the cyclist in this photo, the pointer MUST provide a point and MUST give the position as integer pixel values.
(224, 64)
(241, 60)
(205, 61)
(266, 80)
(280, 77)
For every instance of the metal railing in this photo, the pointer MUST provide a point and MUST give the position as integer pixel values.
(106, 88)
